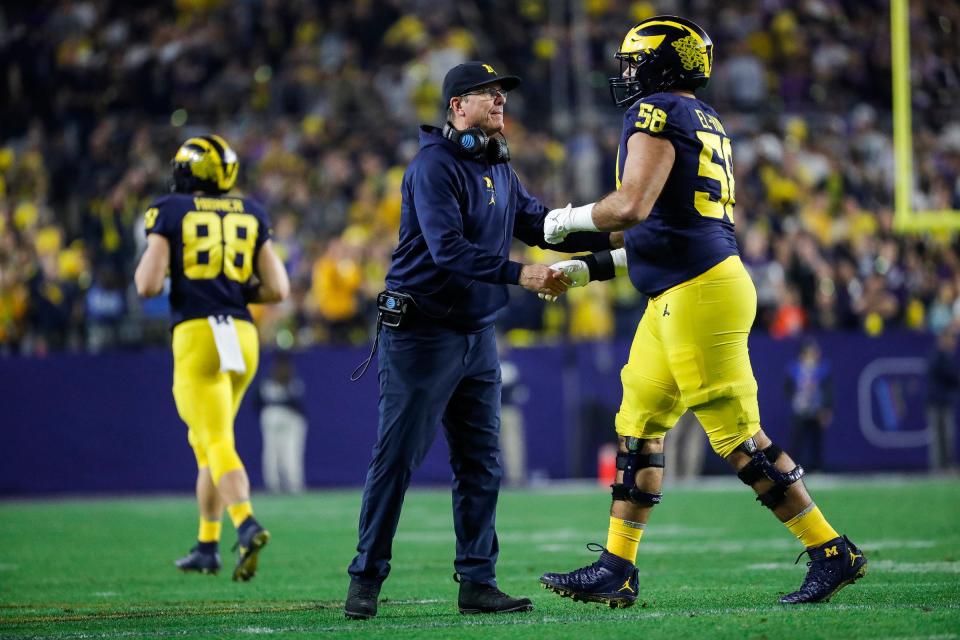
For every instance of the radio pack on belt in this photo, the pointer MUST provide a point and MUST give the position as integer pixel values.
(393, 307)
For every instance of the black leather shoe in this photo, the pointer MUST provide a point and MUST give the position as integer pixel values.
(484, 598)
(361, 601)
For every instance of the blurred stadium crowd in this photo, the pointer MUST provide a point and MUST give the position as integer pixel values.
(322, 100)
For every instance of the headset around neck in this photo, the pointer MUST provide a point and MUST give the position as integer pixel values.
(474, 143)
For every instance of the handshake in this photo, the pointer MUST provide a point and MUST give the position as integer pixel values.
(576, 271)
(550, 282)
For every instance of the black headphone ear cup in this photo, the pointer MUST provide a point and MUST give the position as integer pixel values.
(473, 141)
(497, 150)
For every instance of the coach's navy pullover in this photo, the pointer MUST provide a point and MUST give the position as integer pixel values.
(456, 223)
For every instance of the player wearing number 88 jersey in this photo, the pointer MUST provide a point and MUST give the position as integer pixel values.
(217, 250)
(674, 199)
(213, 243)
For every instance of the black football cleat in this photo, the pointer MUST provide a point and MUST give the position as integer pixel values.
(251, 538)
(199, 560)
(833, 565)
(477, 597)
(611, 580)
(361, 601)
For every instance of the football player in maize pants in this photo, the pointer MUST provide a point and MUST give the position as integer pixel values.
(675, 199)
(218, 253)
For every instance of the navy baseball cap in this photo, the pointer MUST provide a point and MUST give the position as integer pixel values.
(468, 76)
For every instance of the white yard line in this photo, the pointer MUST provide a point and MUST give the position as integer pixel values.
(595, 614)
(758, 545)
(887, 566)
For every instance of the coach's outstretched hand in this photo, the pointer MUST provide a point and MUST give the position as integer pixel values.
(576, 270)
(539, 278)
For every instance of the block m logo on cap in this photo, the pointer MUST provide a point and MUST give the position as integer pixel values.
(489, 69)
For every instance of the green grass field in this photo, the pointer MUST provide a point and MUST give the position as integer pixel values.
(712, 562)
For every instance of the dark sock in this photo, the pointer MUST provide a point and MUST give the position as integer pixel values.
(615, 562)
(207, 547)
(246, 524)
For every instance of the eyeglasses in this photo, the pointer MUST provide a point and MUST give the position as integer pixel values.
(489, 92)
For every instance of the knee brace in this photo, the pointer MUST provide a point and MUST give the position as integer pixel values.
(761, 466)
(630, 462)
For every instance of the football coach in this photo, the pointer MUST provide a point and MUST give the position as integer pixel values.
(462, 206)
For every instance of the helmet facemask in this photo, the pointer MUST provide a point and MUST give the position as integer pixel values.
(647, 76)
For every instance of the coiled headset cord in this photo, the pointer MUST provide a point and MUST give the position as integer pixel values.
(363, 366)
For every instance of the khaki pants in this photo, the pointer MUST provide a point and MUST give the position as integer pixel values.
(284, 435)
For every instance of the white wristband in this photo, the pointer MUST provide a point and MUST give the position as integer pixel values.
(581, 218)
(619, 261)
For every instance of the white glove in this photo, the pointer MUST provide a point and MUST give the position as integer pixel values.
(560, 222)
(576, 270)
(556, 225)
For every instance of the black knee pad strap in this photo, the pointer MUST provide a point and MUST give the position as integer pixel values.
(761, 466)
(773, 453)
(630, 462)
(632, 494)
(772, 498)
(756, 468)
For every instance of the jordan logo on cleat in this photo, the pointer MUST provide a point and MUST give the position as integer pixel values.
(829, 552)
(626, 585)
(853, 557)
(666, 310)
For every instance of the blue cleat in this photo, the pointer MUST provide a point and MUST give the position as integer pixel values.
(251, 538)
(833, 565)
(200, 560)
(610, 580)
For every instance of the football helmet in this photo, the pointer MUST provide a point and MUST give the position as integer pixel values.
(204, 163)
(661, 53)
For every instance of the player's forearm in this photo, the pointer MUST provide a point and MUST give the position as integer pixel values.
(274, 283)
(616, 212)
(271, 290)
(148, 288)
(149, 277)
(153, 266)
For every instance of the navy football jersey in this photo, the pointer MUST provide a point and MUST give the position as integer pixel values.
(214, 241)
(690, 228)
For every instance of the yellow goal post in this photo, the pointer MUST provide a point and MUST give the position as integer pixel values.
(905, 219)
